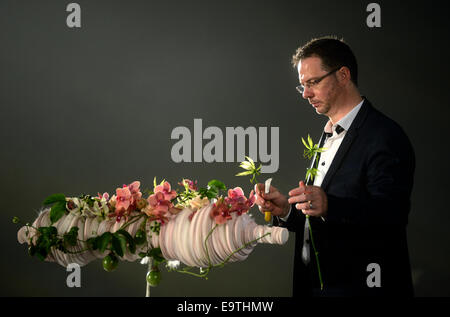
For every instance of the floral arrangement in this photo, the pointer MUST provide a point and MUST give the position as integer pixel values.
(128, 205)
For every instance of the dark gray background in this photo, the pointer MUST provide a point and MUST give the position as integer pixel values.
(86, 110)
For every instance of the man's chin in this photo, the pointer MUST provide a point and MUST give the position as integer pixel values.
(321, 110)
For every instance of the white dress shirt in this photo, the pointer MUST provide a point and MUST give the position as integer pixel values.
(332, 145)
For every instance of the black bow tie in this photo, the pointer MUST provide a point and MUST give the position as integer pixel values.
(339, 129)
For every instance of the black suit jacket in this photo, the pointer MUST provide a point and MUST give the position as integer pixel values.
(368, 187)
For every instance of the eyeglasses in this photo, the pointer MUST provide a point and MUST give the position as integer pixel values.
(313, 82)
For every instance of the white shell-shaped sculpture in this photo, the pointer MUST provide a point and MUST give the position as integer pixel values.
(182, 239)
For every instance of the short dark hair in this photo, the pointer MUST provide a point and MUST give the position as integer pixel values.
(332, 51)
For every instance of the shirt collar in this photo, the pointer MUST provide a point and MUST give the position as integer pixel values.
(345, 122)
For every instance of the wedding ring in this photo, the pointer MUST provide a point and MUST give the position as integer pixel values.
(310, 205)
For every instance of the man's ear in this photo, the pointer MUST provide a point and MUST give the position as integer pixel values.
(343, 75)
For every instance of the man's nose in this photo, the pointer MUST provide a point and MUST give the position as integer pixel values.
(307, 93)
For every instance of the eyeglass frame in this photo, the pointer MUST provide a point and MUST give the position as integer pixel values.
(315, 81)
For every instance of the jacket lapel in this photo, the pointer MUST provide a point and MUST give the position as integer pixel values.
(351, 135)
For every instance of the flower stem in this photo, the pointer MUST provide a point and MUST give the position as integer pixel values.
(132, 220)
(150, 262)
(206, 245)
(210, 266)
(315, 252)
(239, 249)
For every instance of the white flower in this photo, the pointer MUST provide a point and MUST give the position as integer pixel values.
(100, 210)
(145, 260)
(173, 264)
(74, 205)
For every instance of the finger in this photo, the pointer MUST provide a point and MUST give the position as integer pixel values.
(259, 188)
(259, 201)
(273, 194)
(302, 190)
(263, 209)
(303, 206)
(297, 199)
(268, 206)
(297, 191)
(302, 198)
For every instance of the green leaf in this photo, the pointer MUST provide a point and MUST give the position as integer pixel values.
(308, 172)
(250, 160)
(246, 165)
(244, 173)
(54, 198)
(57, 211)
(48, 231)
(310, 141)
(71, 236)
(92, 243)
(48, 238)
(119, 244)
(211, 193)
(157, 256)
(129, 240)
(304, 143)
(218, 184)
(214, 186)
(103, 241)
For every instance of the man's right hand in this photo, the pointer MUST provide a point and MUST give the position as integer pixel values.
(274, 201)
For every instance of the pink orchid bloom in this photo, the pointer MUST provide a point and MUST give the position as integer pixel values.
(235, 196)
(235, 193)
(169, 194)
(158, 205)
(135, 192)
(134, 187)
(105, 196)
(251, 199)
(220, 212)
(123, 198)
(238, 202)
(191, 185)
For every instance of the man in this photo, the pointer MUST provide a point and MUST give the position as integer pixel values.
(358, 203)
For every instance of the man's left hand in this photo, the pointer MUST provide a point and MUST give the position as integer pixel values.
(311, 200)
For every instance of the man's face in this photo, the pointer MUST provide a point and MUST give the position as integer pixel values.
(321, 96)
